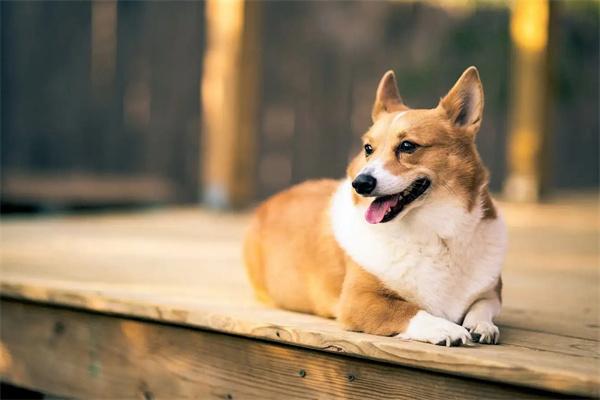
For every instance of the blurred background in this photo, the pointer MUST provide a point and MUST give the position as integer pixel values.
(185, 106)
(125, 104)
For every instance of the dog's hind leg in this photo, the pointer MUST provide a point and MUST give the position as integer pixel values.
(254, 262)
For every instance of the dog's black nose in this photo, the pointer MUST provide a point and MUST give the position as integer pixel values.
(364, 184)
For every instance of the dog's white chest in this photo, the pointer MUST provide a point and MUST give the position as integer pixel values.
(428, 274)
(421, 257)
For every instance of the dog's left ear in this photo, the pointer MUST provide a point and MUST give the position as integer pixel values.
(387, 98)
(464, 102)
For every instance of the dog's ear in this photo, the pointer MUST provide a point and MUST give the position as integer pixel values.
(387, 98)
(464, 102)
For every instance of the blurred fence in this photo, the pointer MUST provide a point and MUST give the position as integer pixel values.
(101, 101)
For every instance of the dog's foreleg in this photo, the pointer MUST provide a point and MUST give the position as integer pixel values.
(479, 319)
(367, 306)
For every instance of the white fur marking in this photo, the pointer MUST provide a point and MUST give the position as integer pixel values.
(480, 317)
(436, 254)
(397, 117)
(424, 327)
(386, 182)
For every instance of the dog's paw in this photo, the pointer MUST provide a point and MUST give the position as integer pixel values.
(425, 327)
(484, 332)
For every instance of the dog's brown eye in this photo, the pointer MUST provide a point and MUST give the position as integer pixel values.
(368, 149)
(407, 147)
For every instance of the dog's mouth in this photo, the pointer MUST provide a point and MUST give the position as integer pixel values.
(386, 208)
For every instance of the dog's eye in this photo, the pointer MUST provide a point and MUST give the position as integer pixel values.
(368, 149)
(407, 147)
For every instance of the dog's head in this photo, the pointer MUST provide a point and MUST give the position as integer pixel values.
(411, 156)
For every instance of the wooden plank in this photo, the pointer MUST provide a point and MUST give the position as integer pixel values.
(184, 266)
(76, 354)
(543, 261)
(520, 359)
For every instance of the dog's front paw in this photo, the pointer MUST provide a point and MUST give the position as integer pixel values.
(425, 327)
(483, 332)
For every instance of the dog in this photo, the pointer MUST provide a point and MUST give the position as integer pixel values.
(409, 245)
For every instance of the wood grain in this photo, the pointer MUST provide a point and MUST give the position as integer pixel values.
(76, 354)
(183, 266)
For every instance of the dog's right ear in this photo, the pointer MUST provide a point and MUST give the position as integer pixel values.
(387, 98)
(464, 102)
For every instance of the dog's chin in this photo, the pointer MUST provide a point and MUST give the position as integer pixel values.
(391, 207)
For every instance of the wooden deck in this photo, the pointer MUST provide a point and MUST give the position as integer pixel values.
(157, 305)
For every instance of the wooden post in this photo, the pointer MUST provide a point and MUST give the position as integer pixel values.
(528, 109)
(103, 47)
(229, 99)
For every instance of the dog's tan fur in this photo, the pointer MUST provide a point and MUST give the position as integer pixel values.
(291, 255)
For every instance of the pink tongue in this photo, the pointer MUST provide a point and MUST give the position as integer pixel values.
(378, 207)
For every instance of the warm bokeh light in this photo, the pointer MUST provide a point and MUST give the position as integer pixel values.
(5, 359)
(224, 21)
(529, 24)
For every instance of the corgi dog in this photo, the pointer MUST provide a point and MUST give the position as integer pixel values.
(410, 244)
